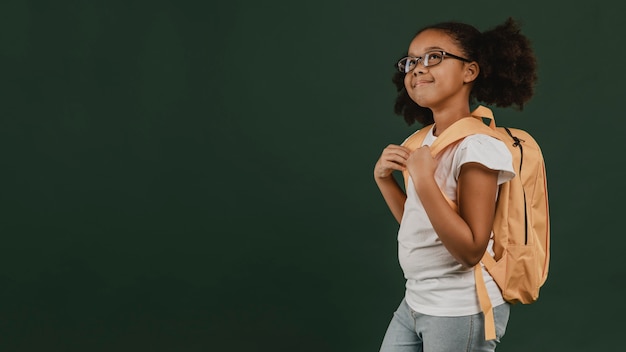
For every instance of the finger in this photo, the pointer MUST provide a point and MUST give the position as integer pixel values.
(424, 150)
(394, 165)
(398, 148)
(396, 158)
(401, 152)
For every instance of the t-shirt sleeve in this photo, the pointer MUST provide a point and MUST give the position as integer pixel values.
(488, 151)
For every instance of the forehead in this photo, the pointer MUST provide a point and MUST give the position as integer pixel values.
(431, 39)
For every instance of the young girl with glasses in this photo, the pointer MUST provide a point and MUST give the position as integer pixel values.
(449, 67)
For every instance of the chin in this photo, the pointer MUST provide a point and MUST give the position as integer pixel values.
(419, 100)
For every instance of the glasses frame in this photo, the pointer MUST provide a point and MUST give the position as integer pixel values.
(419, 59)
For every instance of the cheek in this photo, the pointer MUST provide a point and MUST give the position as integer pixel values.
(407, 82)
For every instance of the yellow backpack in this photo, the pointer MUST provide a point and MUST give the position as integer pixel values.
(522, 222)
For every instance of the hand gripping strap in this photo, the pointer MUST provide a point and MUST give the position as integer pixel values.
(451, 135)
(415, 141)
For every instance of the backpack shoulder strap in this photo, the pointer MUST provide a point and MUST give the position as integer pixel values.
(413, 142)
(460, 129)
(456, 132)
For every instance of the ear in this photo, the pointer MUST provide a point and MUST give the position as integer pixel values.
(471, 72)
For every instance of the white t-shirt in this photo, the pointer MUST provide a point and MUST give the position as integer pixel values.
(436, 284)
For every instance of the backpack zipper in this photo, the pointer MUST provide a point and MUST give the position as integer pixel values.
(518, 143)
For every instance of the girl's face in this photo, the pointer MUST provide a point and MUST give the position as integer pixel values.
(441, 84)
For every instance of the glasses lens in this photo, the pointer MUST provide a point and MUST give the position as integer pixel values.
(431, 59)
(406, 64)
(403, 65)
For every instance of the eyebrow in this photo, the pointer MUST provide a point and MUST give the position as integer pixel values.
(431, 48)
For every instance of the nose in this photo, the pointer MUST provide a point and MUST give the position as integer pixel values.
(419, 69)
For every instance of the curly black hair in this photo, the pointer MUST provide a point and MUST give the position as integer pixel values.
(507, 68)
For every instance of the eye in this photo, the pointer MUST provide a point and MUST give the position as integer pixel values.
(412, 62)
(434, 56)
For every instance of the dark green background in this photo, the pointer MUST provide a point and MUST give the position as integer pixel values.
(197, 176)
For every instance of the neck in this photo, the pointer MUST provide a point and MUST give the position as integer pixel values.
(444, 118)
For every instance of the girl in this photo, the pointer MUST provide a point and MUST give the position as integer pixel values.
(449, 67)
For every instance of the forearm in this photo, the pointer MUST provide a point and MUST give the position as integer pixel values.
(392, 193)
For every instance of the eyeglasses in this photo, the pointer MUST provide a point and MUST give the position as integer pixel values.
(432, 58)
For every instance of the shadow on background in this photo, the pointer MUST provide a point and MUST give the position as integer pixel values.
(191, 176)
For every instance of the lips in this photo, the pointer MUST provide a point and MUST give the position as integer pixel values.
(421, 82)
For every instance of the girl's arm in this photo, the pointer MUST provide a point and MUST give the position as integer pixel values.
(466, 233)
(393, 158)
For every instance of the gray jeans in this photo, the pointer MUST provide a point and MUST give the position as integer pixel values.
(410, 331)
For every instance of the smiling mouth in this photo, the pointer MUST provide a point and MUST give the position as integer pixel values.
(421, 83)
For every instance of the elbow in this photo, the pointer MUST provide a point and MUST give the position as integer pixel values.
(471, 259)
(473, 251)
(469, 263)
